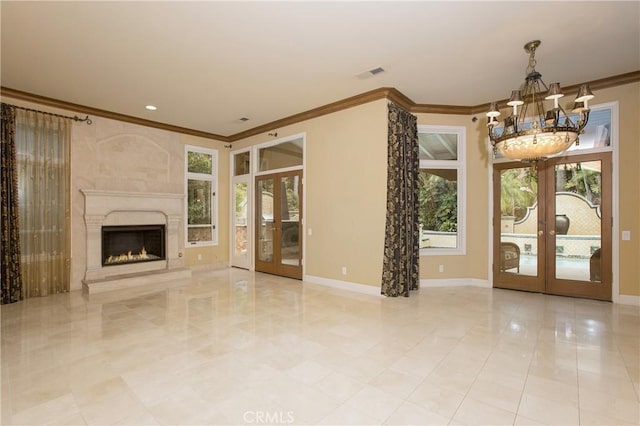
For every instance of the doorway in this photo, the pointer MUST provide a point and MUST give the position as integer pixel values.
(241, 231)
(552, 226)
(278, 240)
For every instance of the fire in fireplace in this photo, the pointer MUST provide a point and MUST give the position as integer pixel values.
(132, 244)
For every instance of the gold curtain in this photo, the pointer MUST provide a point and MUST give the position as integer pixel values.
(43, 156)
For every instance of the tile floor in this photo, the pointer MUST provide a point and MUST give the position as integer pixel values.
(235, 347)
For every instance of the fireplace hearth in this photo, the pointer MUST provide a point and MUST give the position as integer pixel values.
(132, 244)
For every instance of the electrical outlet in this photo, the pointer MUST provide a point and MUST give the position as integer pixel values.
(344, 270)
(440, 268)
(199, 256)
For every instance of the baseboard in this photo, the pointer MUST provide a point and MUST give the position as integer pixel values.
(624, 299)
(455, 282)
(343, 285)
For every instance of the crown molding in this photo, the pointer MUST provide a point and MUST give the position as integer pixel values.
(363, 98)
(389, 93)
(55, 103)
(599, 84)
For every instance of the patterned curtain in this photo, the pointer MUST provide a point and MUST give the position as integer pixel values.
(400, 270)
(43, 148)
(10, 277)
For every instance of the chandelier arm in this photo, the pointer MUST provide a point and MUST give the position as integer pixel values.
(569, 122)
(584, 118)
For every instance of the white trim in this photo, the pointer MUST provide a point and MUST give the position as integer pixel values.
(344, 285)
(250, 224)
(255, 167)
(455, 282)
(213, 178)
(625, 299)
(460, 165)
(304, 204)
(282, 170)
(615, 204)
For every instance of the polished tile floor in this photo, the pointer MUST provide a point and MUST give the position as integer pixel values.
(236, 347)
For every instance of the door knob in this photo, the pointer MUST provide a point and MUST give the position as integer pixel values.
(552, 232)
(540, 233)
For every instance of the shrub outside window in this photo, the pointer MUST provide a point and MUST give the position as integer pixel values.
(201, 203)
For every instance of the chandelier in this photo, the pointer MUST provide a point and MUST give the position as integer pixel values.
(532, 133)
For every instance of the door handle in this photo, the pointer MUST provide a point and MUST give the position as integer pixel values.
(540, 233)
(552, 232)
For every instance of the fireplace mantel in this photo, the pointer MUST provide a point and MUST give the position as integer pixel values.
(107, 208)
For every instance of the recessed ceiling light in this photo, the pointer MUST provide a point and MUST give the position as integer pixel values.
(151, 107)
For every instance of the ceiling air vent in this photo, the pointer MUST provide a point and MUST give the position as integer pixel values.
(370, 73)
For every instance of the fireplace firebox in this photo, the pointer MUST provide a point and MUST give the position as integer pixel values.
(132, 244)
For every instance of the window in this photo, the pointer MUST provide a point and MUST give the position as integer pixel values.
(441, 186)
(281, 156)
(201, 187)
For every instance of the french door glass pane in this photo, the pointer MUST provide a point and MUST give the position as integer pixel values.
(519, 221)
(240, 217)
(290, 213)
(266, 226)
(578, 221)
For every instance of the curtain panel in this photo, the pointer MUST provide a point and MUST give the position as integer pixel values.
(400, 271)
(43, 152)
(10, 276)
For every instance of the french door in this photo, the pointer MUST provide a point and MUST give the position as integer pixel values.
(552, 226)
(241, 231)
(279, 224)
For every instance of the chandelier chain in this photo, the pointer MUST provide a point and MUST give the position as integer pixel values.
(532, 62)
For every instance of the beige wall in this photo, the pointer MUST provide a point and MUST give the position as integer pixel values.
(345, 184)
(628, 97)
(473, 264)
(119, 156)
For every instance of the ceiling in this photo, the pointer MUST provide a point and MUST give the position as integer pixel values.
(205, 65)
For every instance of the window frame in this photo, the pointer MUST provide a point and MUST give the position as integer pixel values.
(460, 166)
(213, 178)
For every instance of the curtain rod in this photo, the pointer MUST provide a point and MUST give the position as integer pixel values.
(74, 118)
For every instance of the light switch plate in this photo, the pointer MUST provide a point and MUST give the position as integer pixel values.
(626, 235)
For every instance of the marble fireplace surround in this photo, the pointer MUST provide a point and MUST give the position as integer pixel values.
(114, 208)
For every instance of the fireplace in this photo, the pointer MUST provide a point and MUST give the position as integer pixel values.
(132, 244)
(132, 212)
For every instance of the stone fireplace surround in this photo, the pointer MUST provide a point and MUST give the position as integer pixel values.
(116, 208)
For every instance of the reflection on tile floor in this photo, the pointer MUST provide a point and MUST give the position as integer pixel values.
(236, 347)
